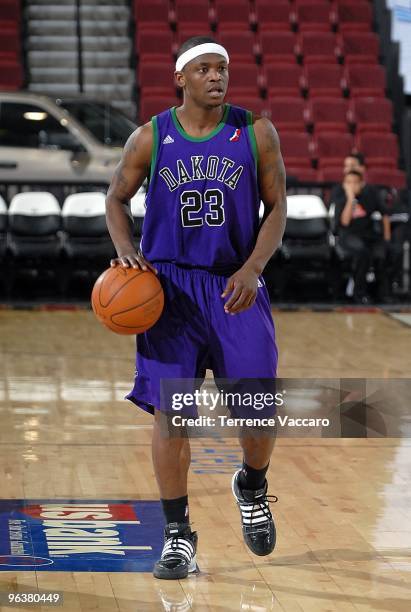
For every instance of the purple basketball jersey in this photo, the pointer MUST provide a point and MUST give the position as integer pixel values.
(201, 224)
(203, 199)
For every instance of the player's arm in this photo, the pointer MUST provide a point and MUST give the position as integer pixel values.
(271, 178)
(127, 179)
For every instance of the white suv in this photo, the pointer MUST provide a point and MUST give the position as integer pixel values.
(69, 141)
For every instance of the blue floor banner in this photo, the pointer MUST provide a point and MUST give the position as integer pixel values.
(80, 535)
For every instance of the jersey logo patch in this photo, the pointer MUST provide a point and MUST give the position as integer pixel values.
(168, 139)
(236, 135)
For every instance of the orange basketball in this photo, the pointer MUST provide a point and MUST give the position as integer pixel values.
(127, 300)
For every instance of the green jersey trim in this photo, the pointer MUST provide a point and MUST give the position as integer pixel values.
(184, 134)
(154, 148)
(251, 134)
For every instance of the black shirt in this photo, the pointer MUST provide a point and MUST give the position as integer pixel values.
(362, 224)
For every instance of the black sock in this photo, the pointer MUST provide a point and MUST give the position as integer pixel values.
(176, 510)
(252, 479)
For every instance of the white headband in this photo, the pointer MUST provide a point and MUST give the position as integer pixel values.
(194, 52)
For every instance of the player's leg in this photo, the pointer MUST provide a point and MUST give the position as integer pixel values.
(250, 488)
(257, 451)
(244, 348)
(173, 349)
(171, 461)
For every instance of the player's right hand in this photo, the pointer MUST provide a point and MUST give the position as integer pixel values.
(133, 259)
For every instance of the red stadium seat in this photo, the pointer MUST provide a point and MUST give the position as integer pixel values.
(310, 2)
(317, 47)
(380, 149)
(9, 11)
(156, 58)
(151, 11)
(168, 92)
(312, 16)
(11, 75)
(353, 17)
(154, 42)
(331, 148)
(9, 56)
(303, 175)
(11, 72)
(364, 80)
(279, 47)
(330, 174)
(242, 45)
(246, 79)
(156, 76)
(359, 47)
(287, 114)
(252, 103)
(247, 91)
(188, 30)
(9, 40)
(188, 12)
(150, 106)
(283, 79)
(371, 114)
(229, 15)
(324, 80)
(296, 149)
(273, 16)
(328, 114)
(194, 3)
(149, 26)
(390, 177)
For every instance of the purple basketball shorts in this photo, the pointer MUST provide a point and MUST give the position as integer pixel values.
(194, 334)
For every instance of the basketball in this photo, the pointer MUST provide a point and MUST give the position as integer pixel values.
(127, 300)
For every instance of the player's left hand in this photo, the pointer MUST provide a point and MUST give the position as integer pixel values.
(243, 286)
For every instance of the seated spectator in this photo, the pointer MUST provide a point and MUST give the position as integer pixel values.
(358, 236)
(354, 161)
(398, 204)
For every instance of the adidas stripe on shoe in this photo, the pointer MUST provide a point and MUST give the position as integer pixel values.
(257, 522)
(178, 558)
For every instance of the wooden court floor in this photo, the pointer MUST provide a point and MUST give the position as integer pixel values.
(343, 516)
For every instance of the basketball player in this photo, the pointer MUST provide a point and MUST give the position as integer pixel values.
(208, 165)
